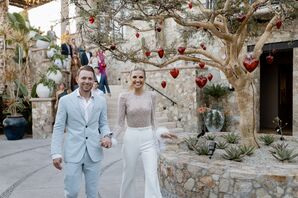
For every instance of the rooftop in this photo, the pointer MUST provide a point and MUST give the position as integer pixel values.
(28, 3)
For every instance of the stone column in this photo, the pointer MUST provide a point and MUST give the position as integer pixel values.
(3, 18)
(64, 15)
(295, 92)
(42, 117)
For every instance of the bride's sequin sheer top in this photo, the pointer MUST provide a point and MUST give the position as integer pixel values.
(138, 110)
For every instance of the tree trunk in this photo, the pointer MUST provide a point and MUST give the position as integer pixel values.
(246, 98)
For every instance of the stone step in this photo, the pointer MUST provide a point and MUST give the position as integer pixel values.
(162, 119)
(177, 130)
(113, 113)
(169, 125)
(114, 120)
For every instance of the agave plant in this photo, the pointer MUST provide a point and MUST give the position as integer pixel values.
(267, 139)
(282, 153)
(247, 150)
(191, 142)
(210, 137)
(233, 153)
(201, 149)
(232, 138)
(222, 145)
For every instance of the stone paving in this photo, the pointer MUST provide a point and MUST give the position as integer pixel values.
(26, 171)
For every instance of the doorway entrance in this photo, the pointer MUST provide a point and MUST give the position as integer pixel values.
(276, 90)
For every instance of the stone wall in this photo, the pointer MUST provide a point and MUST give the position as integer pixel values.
(39, 63)
(3, 17)
(42, 117)
(184, 174)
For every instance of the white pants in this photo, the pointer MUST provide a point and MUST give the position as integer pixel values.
(73, 176)
(136, 142)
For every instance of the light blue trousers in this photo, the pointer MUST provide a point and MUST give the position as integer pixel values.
(73, 177)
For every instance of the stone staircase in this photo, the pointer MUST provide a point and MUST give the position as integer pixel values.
(112, 102)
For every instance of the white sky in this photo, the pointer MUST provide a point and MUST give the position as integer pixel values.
(46, 15)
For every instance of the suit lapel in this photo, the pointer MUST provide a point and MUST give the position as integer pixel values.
(77, 105)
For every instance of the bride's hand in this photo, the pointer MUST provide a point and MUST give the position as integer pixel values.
(168, 135)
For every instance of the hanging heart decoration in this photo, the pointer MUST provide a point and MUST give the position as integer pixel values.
(210, 76)
(201, 81)
(250, 63)
(160, 52)
(163, 84)
(174, 72)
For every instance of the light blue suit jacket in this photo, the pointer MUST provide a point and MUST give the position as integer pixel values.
(80, 135)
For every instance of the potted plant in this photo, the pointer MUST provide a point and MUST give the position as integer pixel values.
(16, 74)
(214, 117)
(42, 41)
(15, 125)
(54, 73)
(59, 60)
(45, 87)
(51, 51)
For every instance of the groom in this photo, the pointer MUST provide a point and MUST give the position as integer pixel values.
(83, 115)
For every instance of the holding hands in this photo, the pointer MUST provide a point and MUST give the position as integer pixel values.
(168, 135)
(106, 142)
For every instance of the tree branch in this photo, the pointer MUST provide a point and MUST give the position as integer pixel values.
(207, 25)
(260, 43)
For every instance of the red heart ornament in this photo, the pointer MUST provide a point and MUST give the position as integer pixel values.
(147, 53)
(160, 52)
(181, 50)
(174, 72)
(278, 24)
(201, 81)
(163, 84)
(137, 34)
(203, 46)
(91, 19)
(250, 64)
(201, 65)
(269, 59)
(190, 5)
(113, 47)
(241, 17)
(210, 76)
(158, 29)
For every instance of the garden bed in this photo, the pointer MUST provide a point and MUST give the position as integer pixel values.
(183, 173)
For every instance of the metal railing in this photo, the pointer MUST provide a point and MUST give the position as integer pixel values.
(153, 88)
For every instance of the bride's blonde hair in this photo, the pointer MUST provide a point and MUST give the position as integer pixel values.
(136, 68)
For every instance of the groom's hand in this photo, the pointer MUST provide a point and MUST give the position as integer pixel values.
(106, 142)
(58, 163)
